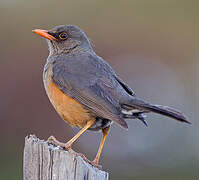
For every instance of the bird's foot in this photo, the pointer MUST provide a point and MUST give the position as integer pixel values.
(55, 142)
(96, 164)
(93, 163)
(79, 154)
(67, 146)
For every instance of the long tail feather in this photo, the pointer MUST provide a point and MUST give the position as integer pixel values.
(164, 110)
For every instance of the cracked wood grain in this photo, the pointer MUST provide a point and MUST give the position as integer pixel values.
(43, 161)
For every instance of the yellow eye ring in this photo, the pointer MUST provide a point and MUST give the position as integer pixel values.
(63, 36)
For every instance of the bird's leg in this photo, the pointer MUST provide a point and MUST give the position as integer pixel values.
(88, 125)
(105, 133)
(68, 145)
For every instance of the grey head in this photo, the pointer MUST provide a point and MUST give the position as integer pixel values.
(64, 38)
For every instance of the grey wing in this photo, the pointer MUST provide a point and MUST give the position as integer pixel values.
(97, 96)
(125, 86)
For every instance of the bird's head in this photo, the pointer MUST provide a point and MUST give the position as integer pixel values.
(64, 38)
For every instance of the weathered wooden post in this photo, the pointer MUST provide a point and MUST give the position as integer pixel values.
(43, 161)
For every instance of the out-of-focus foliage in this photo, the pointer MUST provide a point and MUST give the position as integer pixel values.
(153, 45)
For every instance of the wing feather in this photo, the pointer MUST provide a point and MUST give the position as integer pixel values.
(97, 96)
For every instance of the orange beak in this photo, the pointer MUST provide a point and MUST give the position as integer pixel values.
(44, 34)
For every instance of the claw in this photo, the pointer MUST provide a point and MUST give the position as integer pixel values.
(96, 164)
(55, 142)
(51, 139)
(67, 146)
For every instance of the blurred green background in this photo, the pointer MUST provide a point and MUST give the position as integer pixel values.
(153, 45)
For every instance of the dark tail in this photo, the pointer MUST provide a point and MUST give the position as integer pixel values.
(164, 110)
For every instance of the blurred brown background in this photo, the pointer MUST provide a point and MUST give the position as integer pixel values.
(153, 45)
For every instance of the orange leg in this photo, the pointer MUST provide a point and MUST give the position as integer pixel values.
(69, 143)
(88, 125)
(105, 133)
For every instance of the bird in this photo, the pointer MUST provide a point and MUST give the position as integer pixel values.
(85, 90)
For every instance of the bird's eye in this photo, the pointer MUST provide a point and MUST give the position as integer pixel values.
(63, 36)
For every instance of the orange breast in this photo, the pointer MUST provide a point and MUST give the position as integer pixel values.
(69, 109)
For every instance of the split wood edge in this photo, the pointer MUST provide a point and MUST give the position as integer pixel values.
(44, 161)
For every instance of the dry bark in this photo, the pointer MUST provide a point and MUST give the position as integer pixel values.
(43, 161)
